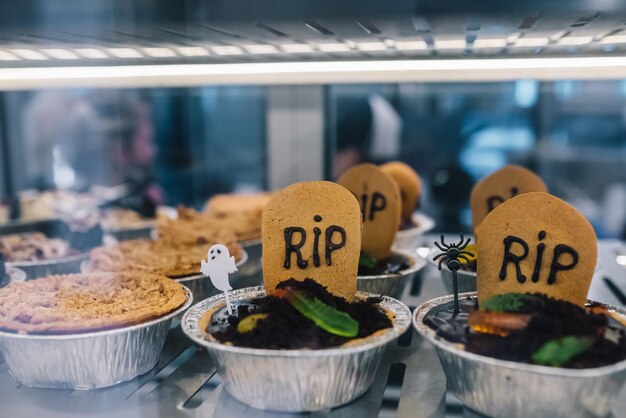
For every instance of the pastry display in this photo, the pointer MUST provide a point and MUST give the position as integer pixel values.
(154, 256)
(308, 317)
(113, 219)
(191, 226)
(535, 329)
(33, 246)
(225, 204)
(530, 316)
(410, 186)
(87, 302)
(499, 186)
(297, 315)
(381, 206)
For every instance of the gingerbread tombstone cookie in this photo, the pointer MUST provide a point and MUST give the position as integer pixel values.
(409, 183)
(379, 197)
(536, 243)
(497, 187)
(312, 230)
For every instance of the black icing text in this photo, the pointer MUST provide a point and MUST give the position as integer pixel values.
(334, 238)
(516, 251)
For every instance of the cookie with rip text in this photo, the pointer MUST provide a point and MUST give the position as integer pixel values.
(312, 230)
(536, 243)
(379, 197)
(410, 186)
(508, 182)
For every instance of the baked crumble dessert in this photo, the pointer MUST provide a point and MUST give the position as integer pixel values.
(79, 303)
(122, 218)
(191, 226)
(158, 257)
(33, 246)
(225, 204)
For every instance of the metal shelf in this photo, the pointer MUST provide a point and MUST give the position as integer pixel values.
(150, 43)
(184, 383)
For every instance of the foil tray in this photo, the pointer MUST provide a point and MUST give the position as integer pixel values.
(392, 284)
(44, 268)
(89, 360)
(13, 275)
(413, 237)
(295, 380)
(500, 388)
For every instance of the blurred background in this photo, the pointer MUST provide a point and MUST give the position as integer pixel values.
(182, 145)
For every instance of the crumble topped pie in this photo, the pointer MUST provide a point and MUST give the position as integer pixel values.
(33, 246)
(79, 303)
(191, 226)
(152, 256)
(122, 218)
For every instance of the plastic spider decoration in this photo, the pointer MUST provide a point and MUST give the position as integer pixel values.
(451, 255)
(452, 252)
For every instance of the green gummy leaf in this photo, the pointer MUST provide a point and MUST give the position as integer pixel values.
(558, 352)
(367, 260)
(509, 302)
(327, 318)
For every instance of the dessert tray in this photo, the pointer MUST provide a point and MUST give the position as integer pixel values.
(410, 381)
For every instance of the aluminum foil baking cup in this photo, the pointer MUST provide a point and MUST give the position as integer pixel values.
(392, 284)
(412, 238)
(44, 268)
(90, 360)
(13, 275)
(295, 380)
(500, 388)
(202, 288)
(466, 278)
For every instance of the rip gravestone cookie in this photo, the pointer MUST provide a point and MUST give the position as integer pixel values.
(536, 243)
(504, 184)
(379, 197)
(312, 230)
(410, 186)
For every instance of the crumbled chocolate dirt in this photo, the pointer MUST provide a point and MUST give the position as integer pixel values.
(286, 328)
(553, 319)
(393, 264)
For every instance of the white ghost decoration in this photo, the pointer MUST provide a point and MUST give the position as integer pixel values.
(218, 266)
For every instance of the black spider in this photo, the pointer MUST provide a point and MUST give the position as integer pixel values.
(452, 252)
(451, 255)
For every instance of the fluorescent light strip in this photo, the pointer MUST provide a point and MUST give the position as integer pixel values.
(411, 45)
(371, 46)
(7, 56)
(333, 47)
(227, 50)
(124, 52)
(615, 39)
(489, 43)
(297, 48)
(159, 52)
(450, 44)
(90, 53)
(193, 51)
(531, 42)
(316, 72)
(575, 40)
(261, 49)
(29, 54)
(60, 54)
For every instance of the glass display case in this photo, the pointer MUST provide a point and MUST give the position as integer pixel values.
(118, 119)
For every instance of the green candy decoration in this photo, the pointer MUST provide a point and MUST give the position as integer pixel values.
(327, 318)
(508, 302)
(367, 260)
(559, 352)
